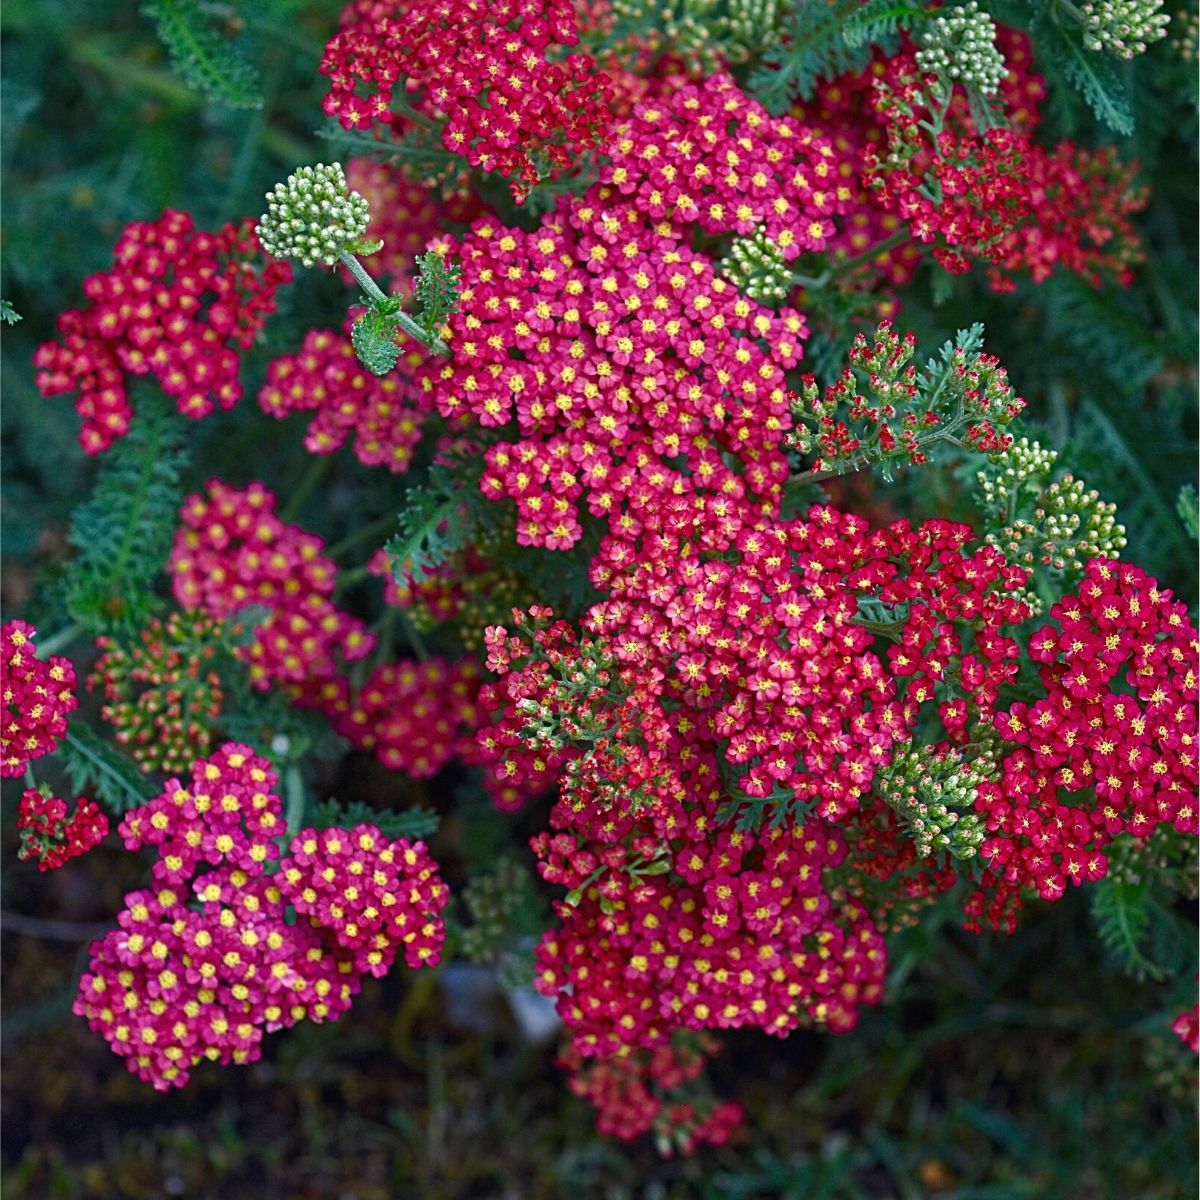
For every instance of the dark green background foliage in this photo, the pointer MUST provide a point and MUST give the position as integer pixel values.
(1036, 1066)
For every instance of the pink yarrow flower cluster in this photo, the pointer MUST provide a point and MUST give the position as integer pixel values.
(485, 70)
(177, 982)
(178, 304)
(631, 370)
(49, 836)
(38, 695)
(232, 552)
(384, 415)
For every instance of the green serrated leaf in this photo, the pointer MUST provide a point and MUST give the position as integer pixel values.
(412, 823)
(100, 769)
(1095, 79)
(8, 314)
(123, 532)
(437, 288)
(208, 62)
(372, 336)
(879, 19)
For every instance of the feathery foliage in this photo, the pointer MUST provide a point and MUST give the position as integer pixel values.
(207, 61)
(1136, 929)
(123, 531)
(411, 823)
(96, 766)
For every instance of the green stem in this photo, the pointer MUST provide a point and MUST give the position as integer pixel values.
(378, 299)
(308, 481)
(414, 639)
(58, 641)
(293, 785)
(847, 265)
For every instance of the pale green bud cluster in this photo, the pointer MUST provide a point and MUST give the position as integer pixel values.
(493, 899)
(1037, 522)
(1123, 28)
(756, 266)
(313, 217)
(934, 794)
(959, 46)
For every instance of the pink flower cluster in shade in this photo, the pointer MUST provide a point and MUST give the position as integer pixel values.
(232, 552)
(485, 70)
(178, 982)
(177, 305)
(414, 715)
(49, 836)
(37, 697)
(655, 1091)
(618, 363)
(384, 415)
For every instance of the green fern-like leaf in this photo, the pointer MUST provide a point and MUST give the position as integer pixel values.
(411, 823)
(373, 337)
(442, 517)
(878, 20)
(1188, 508)
(208, 62)
(1134, 928)
(8, 314)
(812, 46)
(1093, 76)
(123, 532)
(101, 770)
(436, 289)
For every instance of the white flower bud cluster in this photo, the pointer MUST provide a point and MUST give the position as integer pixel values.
(1123, 28)
(312, 216)
(959, 46)
(757, 268)
(1035, 522)
(934, 794)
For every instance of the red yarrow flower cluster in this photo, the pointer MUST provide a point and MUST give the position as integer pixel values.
(49, 836)
(373, 895)
(633, 372)
(231, 553)
(384, 415)
(415, 716)
(655, 1091)
(999, 196)
(177, 982)
(1111, 745)
(485, 70)
(37, 695)
(177, 305)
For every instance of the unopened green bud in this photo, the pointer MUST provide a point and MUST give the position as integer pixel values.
(314, 217)
(959, 46)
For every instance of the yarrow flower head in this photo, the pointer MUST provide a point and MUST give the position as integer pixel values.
(959, 45)
(178, 304)
(37, 696)
(180, 981)
(231, 553)
(313, 216)
(49, 836)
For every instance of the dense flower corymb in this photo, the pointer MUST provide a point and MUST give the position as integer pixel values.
(177, 305)
(178, 982)
(37, 696)
(49, 836)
